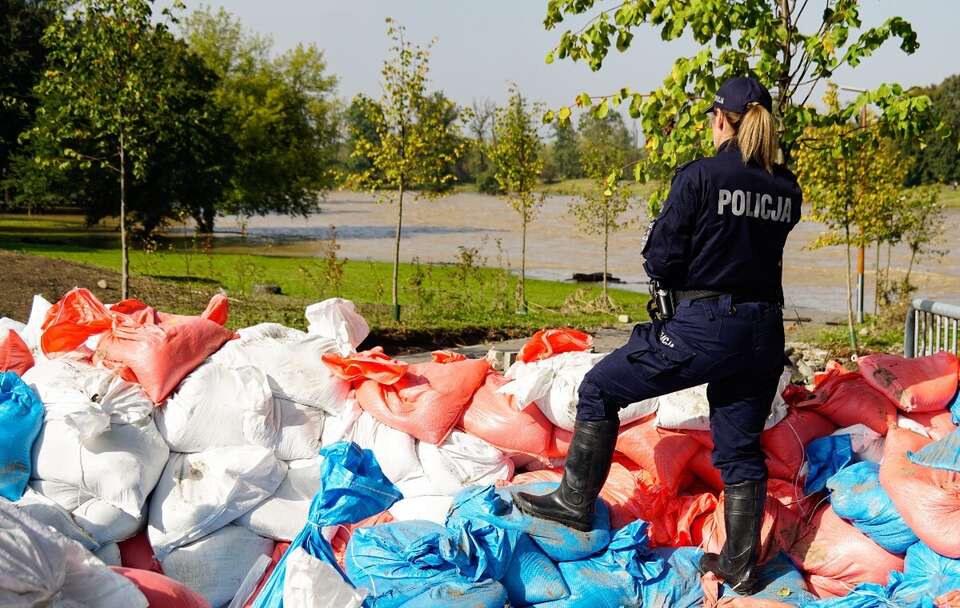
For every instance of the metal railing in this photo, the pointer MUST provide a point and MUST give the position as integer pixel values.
(930, 327)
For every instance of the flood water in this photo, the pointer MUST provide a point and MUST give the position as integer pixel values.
(433, 231)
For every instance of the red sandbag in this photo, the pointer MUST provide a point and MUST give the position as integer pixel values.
(845, 398)
(162, 591)
(779, 531)
(494, 417)
(548, 342)
(447, 356)
(428, 401)
(137, 553)
(702, 468)
(927, 498)
(937, 424)
(836, 556)
(924, 384)
(662, 453)
(77, 316)
(158, 350)
(784, 443)
(371, 364)
(278, 550)
(15, 355)
(683, 520)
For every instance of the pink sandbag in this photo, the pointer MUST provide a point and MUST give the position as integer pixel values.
(845, 398)
(428, 401)
(928, 499)
(162, 591)
(447, 356)
(548, 342)
(15, 355)
(836, 556)
(951, 599)
(74, 318)
(661, 453)
(924, 384)
(371, 364)
(937, 424)
(494, 417)
(778, 532)
(158, 350)
(784, 443)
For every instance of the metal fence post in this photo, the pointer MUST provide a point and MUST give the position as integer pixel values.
(908, 334)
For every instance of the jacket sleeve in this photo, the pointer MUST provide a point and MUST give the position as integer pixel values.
(667, 250)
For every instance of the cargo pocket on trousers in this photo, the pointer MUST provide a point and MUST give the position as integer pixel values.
(661, 352)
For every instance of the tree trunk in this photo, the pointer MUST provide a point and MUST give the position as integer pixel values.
(886, 272)
(853, 333)
(913, 257)
(606, 242)
(396, 256)
(124, 256)
(523, 261)
(876, 284)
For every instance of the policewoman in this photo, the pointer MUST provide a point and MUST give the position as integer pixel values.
(715, 255)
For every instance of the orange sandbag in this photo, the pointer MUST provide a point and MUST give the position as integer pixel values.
(548, 342)
(836, 556)
(951, 599)
(446, 356)
(278, 550)
(784, 443)
(158, 350)
(924, 384)
(494, 417)
(662, 453)
(371, 364)
(845, 398)
(779, 531)
(15, 355)
(928, 499)
(937, 424)
(77, 316)
(137, 553)
(162, 591)
(701, 465)
(342, 538)
(428, 401)
(682, 520)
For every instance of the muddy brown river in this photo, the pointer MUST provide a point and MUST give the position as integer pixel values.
(434, 229)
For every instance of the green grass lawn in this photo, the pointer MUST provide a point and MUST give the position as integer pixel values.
(433, 296)
(950, 196)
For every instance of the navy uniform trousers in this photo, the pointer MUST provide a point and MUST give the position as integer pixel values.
(734, 347)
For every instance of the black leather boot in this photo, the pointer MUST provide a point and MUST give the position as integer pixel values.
(588, 463)
(742, 516)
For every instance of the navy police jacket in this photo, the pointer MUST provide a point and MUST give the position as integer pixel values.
(723, 227)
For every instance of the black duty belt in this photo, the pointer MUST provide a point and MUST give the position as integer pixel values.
(703, 294)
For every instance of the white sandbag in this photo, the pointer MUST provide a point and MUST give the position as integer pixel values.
(463, 460)
(18, 327)
(109, 554)
(395, 451)
(98, 434)
(218, 406)
(291, 360)
(200, 493)
(866, 443)
(337, 320)
(429, 508)
(554, 383)
(32, 331)
(39, 567)
(49, 513)
(215, 565)
(100, 520)
(689, 409)
(313, 583)
(283, 515)
(301, 428)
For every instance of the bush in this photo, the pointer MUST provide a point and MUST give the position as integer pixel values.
(487, 183)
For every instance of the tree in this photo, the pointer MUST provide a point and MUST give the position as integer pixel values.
(279, 112)
(359, 126)
(565, 150)
(604, 151)
(411, 147)
(923, 224)
(517, 162)
(937, 158)
(852, 179)
(480, 121)
(103, 59)
(22, 56)
(754, 37)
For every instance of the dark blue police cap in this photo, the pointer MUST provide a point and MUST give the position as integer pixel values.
(736, 94)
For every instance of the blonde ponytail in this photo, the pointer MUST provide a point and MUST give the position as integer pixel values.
(756, 135)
